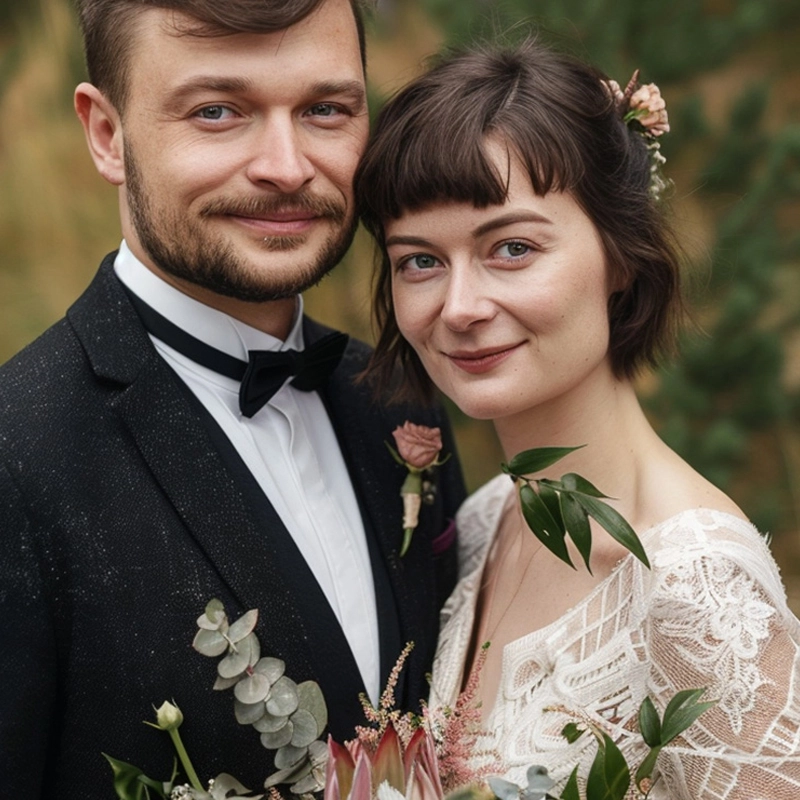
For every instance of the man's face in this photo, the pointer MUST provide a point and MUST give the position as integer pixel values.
(240, 152)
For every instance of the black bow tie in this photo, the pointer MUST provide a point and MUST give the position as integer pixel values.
(264, 373)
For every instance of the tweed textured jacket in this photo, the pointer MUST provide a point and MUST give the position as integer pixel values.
(124, 509)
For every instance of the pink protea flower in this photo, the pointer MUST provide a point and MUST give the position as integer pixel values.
(649, 109)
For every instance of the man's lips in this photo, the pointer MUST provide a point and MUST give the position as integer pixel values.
(278, 223)
(483, 360)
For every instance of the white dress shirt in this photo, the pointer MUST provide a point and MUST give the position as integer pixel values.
(291, 449)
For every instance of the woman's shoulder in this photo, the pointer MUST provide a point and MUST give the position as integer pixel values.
(700, 546)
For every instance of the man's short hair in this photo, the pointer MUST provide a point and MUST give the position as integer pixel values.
(109, 26)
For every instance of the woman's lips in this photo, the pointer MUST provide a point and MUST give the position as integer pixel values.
(478, 361)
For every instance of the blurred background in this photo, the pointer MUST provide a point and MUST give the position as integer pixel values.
(730, 72)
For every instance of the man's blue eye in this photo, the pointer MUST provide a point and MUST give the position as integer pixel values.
(212, 112)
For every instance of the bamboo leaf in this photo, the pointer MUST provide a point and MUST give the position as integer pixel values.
(609, 776)
(649, 723)
(530, 461)
(681, 712)
(550, 499)
(647, 766)
(577, 525)
(614, 523)
(575, 483)
(541, 522)
(571, 790)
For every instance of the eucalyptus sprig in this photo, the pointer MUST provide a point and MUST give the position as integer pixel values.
(554, 510)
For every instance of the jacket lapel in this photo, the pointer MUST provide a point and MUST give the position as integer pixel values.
(235, 527)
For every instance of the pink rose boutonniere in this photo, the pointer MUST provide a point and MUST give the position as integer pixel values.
(418, 448)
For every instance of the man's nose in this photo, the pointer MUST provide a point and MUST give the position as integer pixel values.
(278, 155)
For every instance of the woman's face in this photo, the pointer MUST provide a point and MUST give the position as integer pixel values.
(506, 306)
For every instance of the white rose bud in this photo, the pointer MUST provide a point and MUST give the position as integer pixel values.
(169, 717)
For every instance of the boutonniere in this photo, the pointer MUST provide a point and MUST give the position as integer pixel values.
(418, 448)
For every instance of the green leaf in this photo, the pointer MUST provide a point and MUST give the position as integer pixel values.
(130, 783)
(575, 483)
(395, 454)
(550, 499)
(614, 523)
(647, 766)
(681, 712)
(649, 723)
(577, 525)
(541, 522)
(571, 791)
(530, 461)
(572, 732)
(609, 776)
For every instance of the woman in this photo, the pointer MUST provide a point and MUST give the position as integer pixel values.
(528, 273)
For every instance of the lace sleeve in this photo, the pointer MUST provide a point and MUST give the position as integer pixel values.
(719, 620)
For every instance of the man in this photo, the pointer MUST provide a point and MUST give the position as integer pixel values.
(143, 474)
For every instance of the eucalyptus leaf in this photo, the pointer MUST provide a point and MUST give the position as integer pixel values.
(577, 525)
(271, 668)
(225, 683)
(614, 523)
(311, 699)
(305, 728)
(503, 789)
(210, 643)
(529, 462)
(289, 775)
(243, 626)
(274, 740)
(283, 699)
(609, 776)
(255, 650)
(248, 713)
(541, 522)
(252, 689)
(236, 662)
(575, 483)
(313, 782)
(539, 783)
(215, 610)
(649, 723)
(269, 723)
(289, 756)
(224, 784)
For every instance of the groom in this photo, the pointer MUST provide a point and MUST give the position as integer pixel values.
(148, 468)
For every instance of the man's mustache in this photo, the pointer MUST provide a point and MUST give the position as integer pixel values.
(267, 205)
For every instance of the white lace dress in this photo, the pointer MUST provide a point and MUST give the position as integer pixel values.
(710, 613)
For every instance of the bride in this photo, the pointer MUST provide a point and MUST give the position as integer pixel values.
(528, 272)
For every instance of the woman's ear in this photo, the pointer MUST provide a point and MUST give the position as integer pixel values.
(103, 129)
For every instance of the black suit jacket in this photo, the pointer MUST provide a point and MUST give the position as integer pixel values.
(123, 510)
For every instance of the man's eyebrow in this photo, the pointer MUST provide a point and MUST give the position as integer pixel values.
(353, 89)
(206, 83)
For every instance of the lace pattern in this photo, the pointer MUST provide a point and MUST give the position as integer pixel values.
(711, 613)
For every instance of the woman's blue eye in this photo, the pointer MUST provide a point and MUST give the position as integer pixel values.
(513, 250)
(422, 261)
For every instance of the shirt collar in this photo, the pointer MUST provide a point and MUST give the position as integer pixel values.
(203, 322)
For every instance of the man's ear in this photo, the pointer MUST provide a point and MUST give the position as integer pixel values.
(103, 128)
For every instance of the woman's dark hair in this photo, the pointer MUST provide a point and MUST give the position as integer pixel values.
(558, 117)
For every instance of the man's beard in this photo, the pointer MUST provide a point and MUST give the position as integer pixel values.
(184, 249)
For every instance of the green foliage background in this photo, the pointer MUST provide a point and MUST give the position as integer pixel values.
(730, 71)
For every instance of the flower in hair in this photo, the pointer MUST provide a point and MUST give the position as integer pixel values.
(644, 106)
(649, 109)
